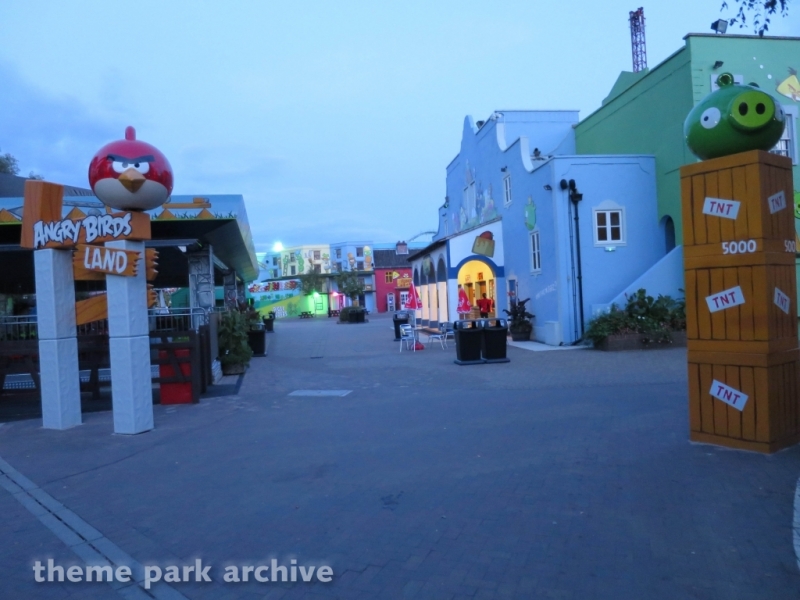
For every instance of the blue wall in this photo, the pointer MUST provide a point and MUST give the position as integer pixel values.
(623, 182)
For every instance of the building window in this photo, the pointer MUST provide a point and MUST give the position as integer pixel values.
(401, 248)
(275, 261)
(293, 270)
(339, 267)
(292, 257)
(360, 265)
(536, 254)
(317, 268)
(317, 255)
(359, 251)
(389, 278)
(787, 145)
(339, 253)
(507, 190)
(609, 227)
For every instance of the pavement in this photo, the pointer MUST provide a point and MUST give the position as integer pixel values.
(558, 475)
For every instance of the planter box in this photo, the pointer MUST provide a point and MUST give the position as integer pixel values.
(520, 336)
(233, 369)
(633, 341)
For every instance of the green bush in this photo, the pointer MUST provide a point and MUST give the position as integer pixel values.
(654, 318)
(233, 346)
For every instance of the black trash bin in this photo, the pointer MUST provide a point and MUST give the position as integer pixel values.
(269, 324)
(361, 315)
(469, 338)
(399, 318)
(495, 338)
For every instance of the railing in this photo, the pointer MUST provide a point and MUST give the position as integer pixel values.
(176, 319)
(20, 328)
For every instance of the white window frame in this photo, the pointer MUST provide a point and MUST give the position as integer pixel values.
(535, 251)
(507, 190)
(608, 207)
(789, 136)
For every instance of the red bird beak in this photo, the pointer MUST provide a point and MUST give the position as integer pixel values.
(132, 180)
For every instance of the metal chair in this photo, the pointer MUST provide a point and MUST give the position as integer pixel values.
(447, 329)
(408, 338)
(439, 337)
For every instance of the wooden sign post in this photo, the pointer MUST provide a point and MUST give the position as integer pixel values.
(741, 301)
(53, 239)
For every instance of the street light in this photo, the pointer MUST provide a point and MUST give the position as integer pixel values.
(719, 26)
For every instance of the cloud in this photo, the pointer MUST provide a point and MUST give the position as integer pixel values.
(56, 136)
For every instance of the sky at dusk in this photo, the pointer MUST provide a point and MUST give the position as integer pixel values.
(335, 121)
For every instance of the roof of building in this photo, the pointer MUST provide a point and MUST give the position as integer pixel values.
(385, 259)
(13, 186)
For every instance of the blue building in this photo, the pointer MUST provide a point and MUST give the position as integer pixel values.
(526, 217)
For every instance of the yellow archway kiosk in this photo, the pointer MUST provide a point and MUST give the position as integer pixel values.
(741, 301)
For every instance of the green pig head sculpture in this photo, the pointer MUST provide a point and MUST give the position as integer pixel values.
(735, 118)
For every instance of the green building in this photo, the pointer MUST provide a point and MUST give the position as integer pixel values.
(644, 112)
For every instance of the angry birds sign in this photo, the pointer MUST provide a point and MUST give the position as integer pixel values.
(130, 174)
(735, 118)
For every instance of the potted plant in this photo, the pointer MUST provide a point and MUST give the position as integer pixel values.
(519, 320)
(234, 349)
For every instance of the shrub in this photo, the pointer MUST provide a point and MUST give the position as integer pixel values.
(233, 346)
(654, 318)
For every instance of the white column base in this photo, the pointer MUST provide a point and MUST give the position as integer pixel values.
(60, 384)
(131, 385)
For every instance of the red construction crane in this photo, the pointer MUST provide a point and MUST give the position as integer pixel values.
(638, 45)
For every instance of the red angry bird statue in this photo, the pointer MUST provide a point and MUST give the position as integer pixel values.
(130, 175)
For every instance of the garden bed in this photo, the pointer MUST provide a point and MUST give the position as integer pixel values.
(639, 341)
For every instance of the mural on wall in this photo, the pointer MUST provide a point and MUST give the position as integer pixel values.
(530, 214)
(790, 87)
(477, 205)
(484, 244)
(326, 262)
(367, 259)
(281, 297)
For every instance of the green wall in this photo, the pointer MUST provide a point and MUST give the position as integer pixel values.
(647, 116)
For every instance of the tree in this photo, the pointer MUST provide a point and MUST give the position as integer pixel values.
(312, 282)
(760, 10)
(349, 284)
(35, 176)
(8, 164)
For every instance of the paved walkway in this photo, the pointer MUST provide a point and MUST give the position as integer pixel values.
(558, 475)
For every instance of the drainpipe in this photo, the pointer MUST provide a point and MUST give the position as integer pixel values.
(575, 197)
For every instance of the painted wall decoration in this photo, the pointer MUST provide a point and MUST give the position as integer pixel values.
(790, 87)
(530, 214)
(735, 118)
(367, 258)
(484, 244)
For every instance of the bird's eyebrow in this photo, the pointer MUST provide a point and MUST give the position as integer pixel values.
(139, 159)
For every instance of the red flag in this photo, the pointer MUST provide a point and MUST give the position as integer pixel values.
(413, 302)
(463, 302)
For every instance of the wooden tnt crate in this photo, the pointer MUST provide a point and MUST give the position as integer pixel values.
(757, 325)
(770, 419)
(739, 258)
(749, 178)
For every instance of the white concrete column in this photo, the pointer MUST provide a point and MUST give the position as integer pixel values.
(58, 346)
(129, 344)
(441, 286)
